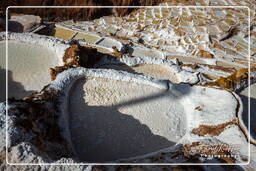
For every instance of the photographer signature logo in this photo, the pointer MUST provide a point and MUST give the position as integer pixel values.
(210, 151)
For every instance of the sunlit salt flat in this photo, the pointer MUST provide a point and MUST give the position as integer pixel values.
(111, 120)
(152, 70)
(28, 68)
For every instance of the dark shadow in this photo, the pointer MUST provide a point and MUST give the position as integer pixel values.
(252, 114)
(15, 89)
(51, 32)
(145, 99)
(102, 134)
(127, 49)
(99, 41)
(2, 23)
(48, 30)
(15, 26)
(2, 84)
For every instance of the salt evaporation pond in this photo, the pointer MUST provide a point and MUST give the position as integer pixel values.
(244, 95)
(111, 120)
(28, 68)
(153, 70)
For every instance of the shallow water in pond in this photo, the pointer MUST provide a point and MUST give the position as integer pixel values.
(29, 68)
(111, 120)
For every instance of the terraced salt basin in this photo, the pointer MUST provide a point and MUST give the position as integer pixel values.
(153, 70)
(112, 119)
(107, 115)
(153, 67)
(244, 95)
(28, 67)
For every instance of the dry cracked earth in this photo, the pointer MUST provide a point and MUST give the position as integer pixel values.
(170, 84)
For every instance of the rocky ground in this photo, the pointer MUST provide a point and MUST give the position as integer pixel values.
(157, 85)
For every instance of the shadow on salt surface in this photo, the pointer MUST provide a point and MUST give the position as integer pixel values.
(252, 114)
(15, 26)
(15, 89)
(103, 133)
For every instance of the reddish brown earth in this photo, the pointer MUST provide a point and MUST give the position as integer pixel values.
(75, 13)
(232, 80)
(213, 130)
(76, 56)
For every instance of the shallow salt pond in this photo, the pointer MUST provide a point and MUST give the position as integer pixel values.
(29, 68)
(152, 70)
(244, 97)
(111, 120)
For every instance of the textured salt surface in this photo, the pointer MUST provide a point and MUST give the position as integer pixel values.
(28, 68)
(244, 97)
(155, 71)
(114, 119)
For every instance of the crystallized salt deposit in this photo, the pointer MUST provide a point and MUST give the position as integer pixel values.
(107, 115)
(154, 67)
(116, 113)
(244, 95)
(155, 71)
(28, 68)
(119, 119)
(215, 106)
(109, 43)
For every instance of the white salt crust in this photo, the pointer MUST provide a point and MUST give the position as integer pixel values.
(243, 117)
(212, 101)
(30, 58)
(28, 68)
(122, 119)
(183, 76)
(56, 45)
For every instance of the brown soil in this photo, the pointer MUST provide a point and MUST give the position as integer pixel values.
(213, 130)
(71, 60)
(233, 80)
(77, 56)
(75, 13)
